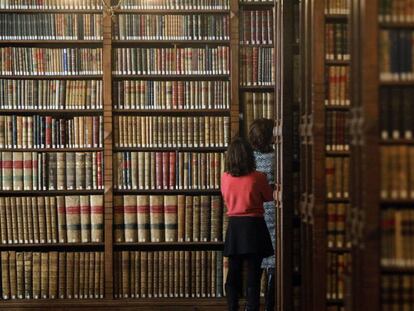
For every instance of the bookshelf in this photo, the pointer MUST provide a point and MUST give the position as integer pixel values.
(41, 130)
(323, 195)
(223, 81)
(384, 84)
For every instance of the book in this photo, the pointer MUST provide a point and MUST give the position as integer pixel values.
(128, 125)
(143, 94)
(256, 66)
(188, 61)
(151, 170)
(64, 61)
(171, 27)
(157, 218)
(47, 26)
(336, 38)
(176, 275)
(395, 48)
(176, 5)
(256, 27)
(61, 4)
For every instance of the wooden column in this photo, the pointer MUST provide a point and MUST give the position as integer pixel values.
(108, 153)
(234, 68)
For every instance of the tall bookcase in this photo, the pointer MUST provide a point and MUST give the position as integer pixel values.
(120, 113)
(383, 126)
(324, 196)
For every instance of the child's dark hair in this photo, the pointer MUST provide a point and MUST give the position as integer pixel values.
(261, 134)
(240, 158)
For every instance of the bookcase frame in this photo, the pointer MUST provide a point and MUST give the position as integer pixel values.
(282, 63)
(313, 197)
(367, 167)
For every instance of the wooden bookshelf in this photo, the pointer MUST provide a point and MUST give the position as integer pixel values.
(365, 272)
(108, 111)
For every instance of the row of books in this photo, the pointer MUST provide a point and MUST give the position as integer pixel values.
(337, 86)
(167, 131)
(177, 61)
(169, 218)
(257, 105)
(256, 66)
(50, 61)
(50, 94)
(168, 274)
(397, 173)
(396, 11)
(337, 6)
(256, 27)
(176, 5)
(168, 170)
(171, 94)
(52, 275)
(50, 219)
(49, 132)
(397, 113)
(336, 272)
(171, 27)
(50, 26)
(270, 2)
(337, 131)
(51, 171)
(51, 4)
(337, 177)
(337, 213)
(336, 36)
(396, 49)
(396, 291)
(397, 238)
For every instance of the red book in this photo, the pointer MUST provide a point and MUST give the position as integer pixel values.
(165, 169)
(158, 169)
(173, 157)
(48, 133)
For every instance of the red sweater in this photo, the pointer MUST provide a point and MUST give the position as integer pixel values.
(245, 195)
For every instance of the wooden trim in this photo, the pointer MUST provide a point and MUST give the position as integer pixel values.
(52, 77)
(51, 43)
(108, 154)
(52, 111)
(170, 43)
(166, 191)
(368, 277)
(184, 77)
(169, 11)
(48, 192)
(178, 149)
(319, 243)
(89, 149)
(235, 69)
(51, 246)
(174, 112)
(284, 214)
(43, 10)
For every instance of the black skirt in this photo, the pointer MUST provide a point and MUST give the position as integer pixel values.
(247, 235)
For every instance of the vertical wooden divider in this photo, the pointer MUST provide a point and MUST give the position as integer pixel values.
(108, 154)
(317, 124)
(234, 68)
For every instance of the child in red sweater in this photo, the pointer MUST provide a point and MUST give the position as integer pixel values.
(247, 238)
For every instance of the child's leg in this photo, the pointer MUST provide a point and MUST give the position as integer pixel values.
(233, 282)
(253, 282)
(270, 290)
